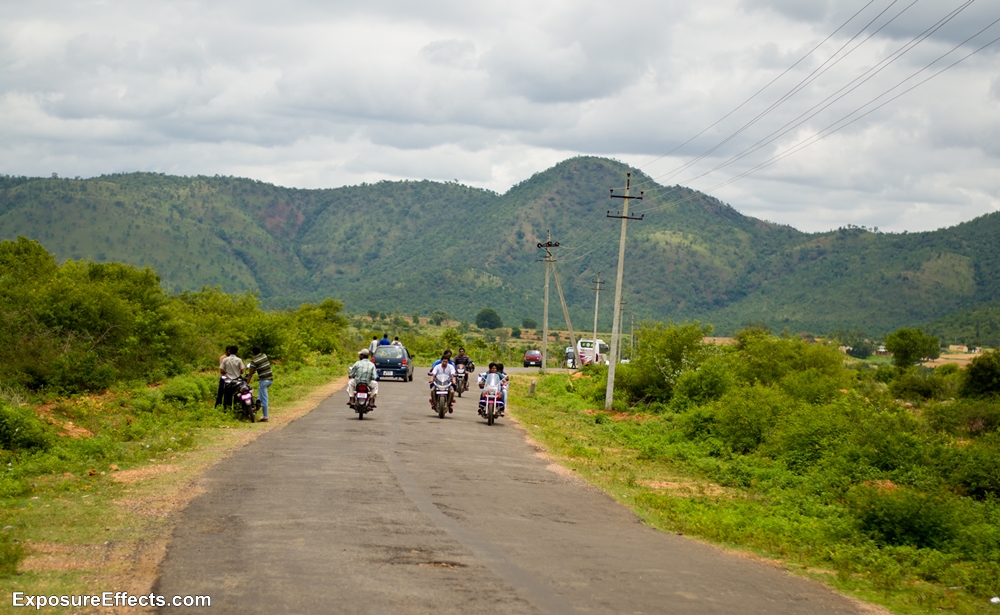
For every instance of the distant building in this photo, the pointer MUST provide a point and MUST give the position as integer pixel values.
(882, 352)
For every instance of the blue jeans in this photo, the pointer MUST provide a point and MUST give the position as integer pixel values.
(262, 394)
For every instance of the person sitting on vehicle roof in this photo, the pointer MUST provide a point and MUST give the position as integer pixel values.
(362, 372)
(396, 342)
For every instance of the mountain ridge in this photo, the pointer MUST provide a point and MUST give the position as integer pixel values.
(409, 246)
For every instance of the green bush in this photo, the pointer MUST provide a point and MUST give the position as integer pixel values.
(707, 382)
(807, 433)
(745, 419)
(812, 385)
(11, 554)
(982, 376)
(189, 389)
(972, 417)
(902, 516)
(973, 468)
(915, 384)
(22, 430)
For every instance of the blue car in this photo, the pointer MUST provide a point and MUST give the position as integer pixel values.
(393, 362)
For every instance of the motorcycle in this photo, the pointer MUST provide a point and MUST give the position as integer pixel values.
(243, 402)
(491, 404)
(362, 400)
(442, 394)
(461, 379)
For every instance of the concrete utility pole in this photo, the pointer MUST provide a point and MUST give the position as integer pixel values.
(621, 323)
(545, 313)
(624, 217)
(631, 340)
(569, 325)
(598, 286)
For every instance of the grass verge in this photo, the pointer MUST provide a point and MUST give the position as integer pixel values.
(611, 450)
(101, 522)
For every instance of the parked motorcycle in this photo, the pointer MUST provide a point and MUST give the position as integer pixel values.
(491, 404)
(362, 400)
(442, 394)
(244, 405)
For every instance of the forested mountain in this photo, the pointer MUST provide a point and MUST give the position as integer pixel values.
(419, 246)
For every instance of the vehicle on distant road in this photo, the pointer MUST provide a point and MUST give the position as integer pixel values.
(393, 362)
(586, 350)
(533, 358)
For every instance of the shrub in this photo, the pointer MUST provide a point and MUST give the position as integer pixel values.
(902, 516)
(916, 384)
(807, 432)
(974, 467)
(812, 385)
(11, 554)
(982, 376)
(965, 417)
(22, 430)
(745, 418)
(709, 381)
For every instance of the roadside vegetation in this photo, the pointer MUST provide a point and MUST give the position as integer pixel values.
(104, 372)
(881, 482)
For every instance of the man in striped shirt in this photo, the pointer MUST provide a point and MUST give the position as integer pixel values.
(261, 365)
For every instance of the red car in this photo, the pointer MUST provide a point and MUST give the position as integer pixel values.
(533, 357)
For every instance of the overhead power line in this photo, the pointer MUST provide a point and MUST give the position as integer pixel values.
(843, 122)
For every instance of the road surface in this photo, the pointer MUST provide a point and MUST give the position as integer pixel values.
(404, 513)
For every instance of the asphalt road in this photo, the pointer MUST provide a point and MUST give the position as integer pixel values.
(404, 512)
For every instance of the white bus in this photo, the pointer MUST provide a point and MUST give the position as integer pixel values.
(586, 350)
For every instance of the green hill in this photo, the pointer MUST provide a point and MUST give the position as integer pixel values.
(408, 246)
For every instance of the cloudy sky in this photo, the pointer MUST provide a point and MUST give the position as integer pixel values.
(312, 93)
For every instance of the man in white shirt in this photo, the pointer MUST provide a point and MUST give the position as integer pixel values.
(447, 368)
(230, 368)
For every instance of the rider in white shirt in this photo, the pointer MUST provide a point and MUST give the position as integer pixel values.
(444, 367)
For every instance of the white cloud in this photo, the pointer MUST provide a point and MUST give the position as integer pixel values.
(317, 94)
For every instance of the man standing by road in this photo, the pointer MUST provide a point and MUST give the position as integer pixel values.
(363, 371)
(261, 366)
(231, 368)
(372, 346)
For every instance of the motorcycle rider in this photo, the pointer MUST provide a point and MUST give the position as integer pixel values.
(505, 380)
(466, 360)
(444, 367)
(363, 371)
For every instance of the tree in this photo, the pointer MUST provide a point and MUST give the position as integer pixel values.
(529, 323)
(438, 317)
(909, 346)
(416, 318)
(452, 339)
(982, 378)
(373, 314)
(515, 332)
(487, 318)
